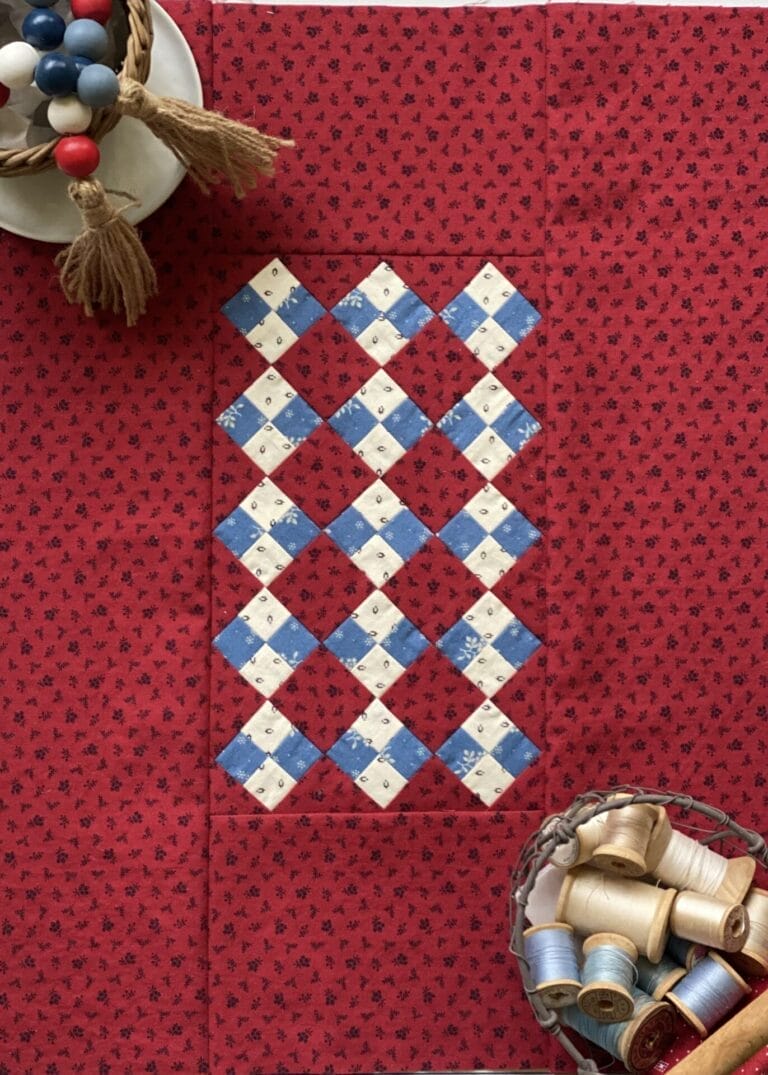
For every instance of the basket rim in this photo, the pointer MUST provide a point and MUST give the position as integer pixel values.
(136, 66)
(558, 829)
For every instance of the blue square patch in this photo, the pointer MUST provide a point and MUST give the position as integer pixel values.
(463, 315)
(300, 310)
(516, 534)
(409, 315)
(462, 425)
(461, 753)
(352, 422)
(349, 643)
(238, 643)
(294, 531)
(405, 534)
(461, 644)
(352, 754)
(516, 644)
(405, 643)
(238, 532)
(515, 752)
(350, 531)
(293, 642)
(462, 534)
(296, 421)
(355, 312)
(407, 424)
(405, 753)
(241, 421)
(241, 758)
(517, 316)
(296, 754)
(245, 309)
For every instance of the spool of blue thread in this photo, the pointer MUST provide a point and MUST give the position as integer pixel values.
(56, 74)
(43, 29)
(550, 951)
(657, 979)
(609, 973)
(708, 993)
(98, 86)
(638, 1042)
(86, 37)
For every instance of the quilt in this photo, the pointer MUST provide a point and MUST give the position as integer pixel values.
(429, 493)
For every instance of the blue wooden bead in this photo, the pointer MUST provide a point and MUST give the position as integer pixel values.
(81, 62)
(98, 86)
(86, 37)
(44, 29)
(56, 74)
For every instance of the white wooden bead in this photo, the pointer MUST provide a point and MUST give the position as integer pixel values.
(68, 115)
(18, 61)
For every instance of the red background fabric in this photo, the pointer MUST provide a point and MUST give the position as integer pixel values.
(610, 161)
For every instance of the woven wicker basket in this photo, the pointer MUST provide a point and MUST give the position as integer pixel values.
(560, 830)
(16, 162)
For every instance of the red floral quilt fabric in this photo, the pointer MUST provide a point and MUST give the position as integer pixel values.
(427, 495)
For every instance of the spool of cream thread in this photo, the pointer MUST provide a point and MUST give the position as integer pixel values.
(550, 951)
(708, 993)
(626, 837)
(593, 902)
(639, 1042)
(690, 866)
(580, 847)
(656, 979)
(609, 973)
(753, 957)
(706, 920)
(685, 952)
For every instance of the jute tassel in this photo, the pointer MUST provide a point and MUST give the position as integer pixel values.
(210, 146)
(106, 265)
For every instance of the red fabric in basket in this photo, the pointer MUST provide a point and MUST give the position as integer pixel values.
(609, 163)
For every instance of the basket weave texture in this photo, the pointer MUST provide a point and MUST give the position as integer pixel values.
(561, 829)
(30, 161)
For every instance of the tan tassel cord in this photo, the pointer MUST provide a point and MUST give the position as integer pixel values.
(106, 265)
(210, 146)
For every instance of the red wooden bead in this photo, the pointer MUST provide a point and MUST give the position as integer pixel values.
(5, 93)
(99, 10)
(77, 155)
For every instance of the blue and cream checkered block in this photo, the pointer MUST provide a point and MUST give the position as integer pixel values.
(265, 643)
(489, 535)
(268, 756)
(488, 752)
(489, 426)
(380, 422)
(491, 316)
(266, 531)
(269, 420)
(377, 643)
(378, 533)
(273, 310)
(488, 644)
(379, 753)
(382, 313)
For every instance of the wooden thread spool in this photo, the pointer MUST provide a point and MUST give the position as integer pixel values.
(550, 951)
(608, 974)
(625, 842)
(690, 866)
(579, 849)
(686, 953)
(753, 957)
(708, 993)
(710, 922)
(656, 979)
(639, 1042)
(661, 834)
(593, 901)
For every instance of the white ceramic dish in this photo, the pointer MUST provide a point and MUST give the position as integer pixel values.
(132, 159)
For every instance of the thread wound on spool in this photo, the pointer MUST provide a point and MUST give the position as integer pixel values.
(609, 973)
(638, 1042)
(708, 921)
(625, 840)
(550, 951)
(686, 953)
(753, 957)
(593, 901)
(657, 979)
(690, 866)
(708, 993)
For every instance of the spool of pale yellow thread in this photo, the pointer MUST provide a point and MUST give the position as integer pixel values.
(708, 921)
(753, 957)
(593, 901)
(606, 1000)
(690, 866)
(626, 836)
